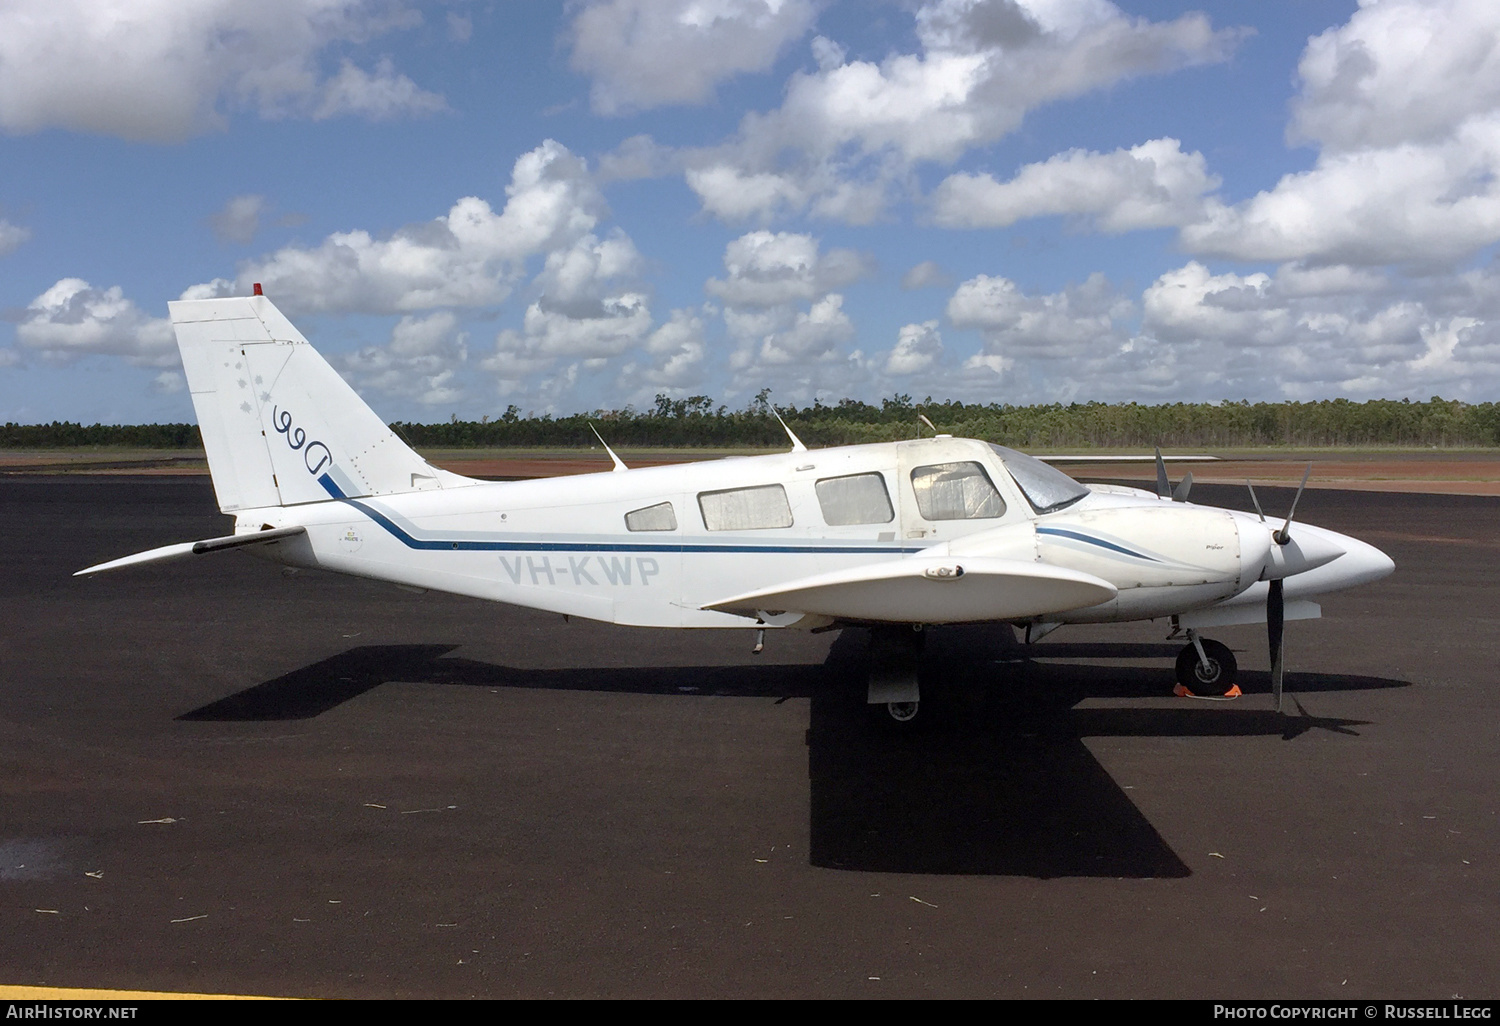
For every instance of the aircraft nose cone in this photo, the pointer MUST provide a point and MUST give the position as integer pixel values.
(1361, 562)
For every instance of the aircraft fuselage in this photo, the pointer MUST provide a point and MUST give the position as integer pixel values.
(654, 546)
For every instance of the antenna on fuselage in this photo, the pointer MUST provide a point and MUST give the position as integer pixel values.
(923, 418)
(619, 463)
(797, 445)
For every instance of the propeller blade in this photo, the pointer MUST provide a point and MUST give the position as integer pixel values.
(1285, 534)
(1180, 493)
(1253, 499)
(1275, 626)
(1163, 486)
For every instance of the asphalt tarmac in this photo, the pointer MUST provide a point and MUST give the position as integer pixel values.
(214, 778)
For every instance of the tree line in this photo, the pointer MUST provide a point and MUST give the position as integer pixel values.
(697, 422)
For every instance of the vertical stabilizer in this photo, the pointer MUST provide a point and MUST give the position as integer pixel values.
(280, 425)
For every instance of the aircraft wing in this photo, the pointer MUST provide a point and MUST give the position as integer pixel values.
(929, 589)
(1064, 459)
(197, 548)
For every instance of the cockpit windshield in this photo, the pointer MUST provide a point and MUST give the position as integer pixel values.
(1046, 488)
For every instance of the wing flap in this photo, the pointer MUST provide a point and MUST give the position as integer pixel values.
(929, 589)
(197, 548)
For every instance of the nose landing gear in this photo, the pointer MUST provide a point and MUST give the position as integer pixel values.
(1206, 669)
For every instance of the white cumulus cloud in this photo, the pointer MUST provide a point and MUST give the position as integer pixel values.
(813, 335)
(165, 70)
(767, 269)
(1058, 325)
(73, 319)
(649, 53)
(784, 315)
(675, 356)
(168, 383)
(12, 237)
(239, 219)
(1152, 185)
(1402, 102)
(1365, 337)
(1077, 343)
(470, 256)
(918, 347)
(590, 310)
(1399, 71)
(928, 274)
(617, 323)
(423, 361)
(379, 96)
(847, 134)
(1412, 203)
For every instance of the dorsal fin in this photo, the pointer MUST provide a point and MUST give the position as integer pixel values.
(797, 445)
(619, 463)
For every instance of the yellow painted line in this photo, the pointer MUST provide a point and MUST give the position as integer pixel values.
(74, 994)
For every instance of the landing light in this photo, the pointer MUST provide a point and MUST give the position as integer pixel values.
(943, 573)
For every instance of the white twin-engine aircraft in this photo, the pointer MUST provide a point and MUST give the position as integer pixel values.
(894, 536)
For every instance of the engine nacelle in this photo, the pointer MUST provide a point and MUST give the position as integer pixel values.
(1162, 557)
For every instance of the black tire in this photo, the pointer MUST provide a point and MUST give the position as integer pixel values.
(902, 712)
(1221, 672)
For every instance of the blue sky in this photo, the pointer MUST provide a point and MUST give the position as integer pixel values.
(568, 206)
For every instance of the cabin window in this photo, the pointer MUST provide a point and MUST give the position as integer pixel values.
(653, 518)
(956, 491)
(855, 499)
(745, 509)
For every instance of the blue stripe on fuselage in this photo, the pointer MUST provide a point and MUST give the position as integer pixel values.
(1091, 540)
(522, 546)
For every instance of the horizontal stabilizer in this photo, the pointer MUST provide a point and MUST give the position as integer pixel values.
(197, 548)
(929, 589)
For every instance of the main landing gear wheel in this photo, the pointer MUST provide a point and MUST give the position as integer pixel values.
(1217, 678)
(893, 673)
(902, 712)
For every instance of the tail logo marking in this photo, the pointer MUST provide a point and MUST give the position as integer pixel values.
(296, 438)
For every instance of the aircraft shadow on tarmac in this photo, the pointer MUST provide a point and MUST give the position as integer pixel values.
(997, 781)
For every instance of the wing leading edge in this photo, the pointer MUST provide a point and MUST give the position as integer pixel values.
(929, 589)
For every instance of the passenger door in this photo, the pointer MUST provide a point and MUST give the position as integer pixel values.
(948, 494)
